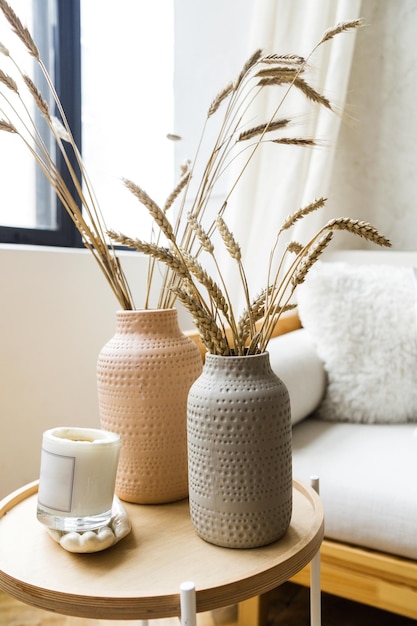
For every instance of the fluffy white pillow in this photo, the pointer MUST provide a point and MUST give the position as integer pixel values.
(363, 320)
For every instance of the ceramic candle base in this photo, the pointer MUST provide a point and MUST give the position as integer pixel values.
(77, 478)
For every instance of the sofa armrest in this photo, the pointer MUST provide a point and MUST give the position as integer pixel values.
(295, 361)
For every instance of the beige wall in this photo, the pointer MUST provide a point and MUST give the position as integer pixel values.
(56, 312)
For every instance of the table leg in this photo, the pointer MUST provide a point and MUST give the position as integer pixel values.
(315, 587)
(188, 604)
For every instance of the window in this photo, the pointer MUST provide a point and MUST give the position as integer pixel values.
(29, 211)
(115, 74)
(128, 105)
(115, 80)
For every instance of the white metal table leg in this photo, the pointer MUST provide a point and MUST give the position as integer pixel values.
(315, 587)
(188, 604)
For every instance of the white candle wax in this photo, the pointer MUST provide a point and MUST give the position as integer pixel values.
(77, 477)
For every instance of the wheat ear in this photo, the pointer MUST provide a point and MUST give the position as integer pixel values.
(213, 289)
(150, 249)
(311, 93)
(156, 212)
(300, 213)
(21, 31)
(340, 28)
(37, 96)
(312, 256)
(288, 59)
(6, 126)
(229, 241)
(8, 81)
(250, 316)
(177, 190)
(262, 129)
(201, 234)
(294, 247)
(253, 59)
(211, 335)
(295, 141)
(225, 93)
(360, 228)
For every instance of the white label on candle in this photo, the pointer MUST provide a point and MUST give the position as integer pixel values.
(56, 486)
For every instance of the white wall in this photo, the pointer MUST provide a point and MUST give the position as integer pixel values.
(56, 312)
(211, 45)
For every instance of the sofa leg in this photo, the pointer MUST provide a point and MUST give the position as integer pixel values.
(252, 612)
(315, 583)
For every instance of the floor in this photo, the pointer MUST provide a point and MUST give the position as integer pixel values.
(288, 606)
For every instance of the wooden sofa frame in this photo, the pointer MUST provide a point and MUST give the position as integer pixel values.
(380, 580)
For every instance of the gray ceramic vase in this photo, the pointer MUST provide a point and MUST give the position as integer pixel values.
(239, 452)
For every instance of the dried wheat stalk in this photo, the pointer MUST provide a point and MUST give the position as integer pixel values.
(6, 126)
(311, 257)
(21, 31)
(190, 233)
(201, 234)
(360, 228)
(231, 244)
(215, 293)
(205, 296)
(340, 28)
(262, 129)
(177, 191)
(8, 81)
(80, 205)
(294, 246)
(295, 141)
(225, 93)
(300, 213)
(155, 211)
(212, 336)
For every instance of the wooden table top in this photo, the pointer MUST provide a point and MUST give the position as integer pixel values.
(140, 577)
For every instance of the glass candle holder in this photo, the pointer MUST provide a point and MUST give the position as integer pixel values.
(77, 478)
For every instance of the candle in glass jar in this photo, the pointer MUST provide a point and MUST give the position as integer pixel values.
(77, 478)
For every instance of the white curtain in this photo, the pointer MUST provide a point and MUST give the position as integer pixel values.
(282, 179)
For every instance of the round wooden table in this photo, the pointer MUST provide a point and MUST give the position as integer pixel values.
(140, 577)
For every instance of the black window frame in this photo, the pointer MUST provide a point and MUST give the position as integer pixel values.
(67, 80)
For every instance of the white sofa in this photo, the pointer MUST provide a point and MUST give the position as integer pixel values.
(367, 470)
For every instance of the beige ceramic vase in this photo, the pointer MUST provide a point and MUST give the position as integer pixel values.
(144, 374)
(239, 452)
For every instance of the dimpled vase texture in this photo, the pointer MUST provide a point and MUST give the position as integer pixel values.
(239, 452)
(144, 374)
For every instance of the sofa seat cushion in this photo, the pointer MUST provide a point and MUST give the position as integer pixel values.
(367, 478)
